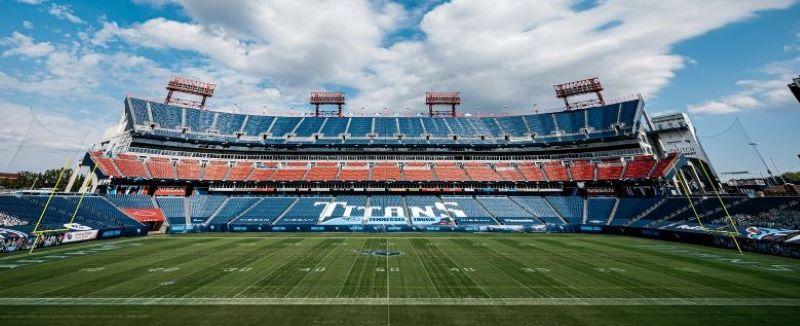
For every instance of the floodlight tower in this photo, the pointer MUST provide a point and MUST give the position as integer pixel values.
(191, 87)
(580, 87)
(318, 99)
(435, 99)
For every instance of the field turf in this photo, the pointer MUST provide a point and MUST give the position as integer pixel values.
(398, 279)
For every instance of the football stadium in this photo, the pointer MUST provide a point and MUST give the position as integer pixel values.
(582, 214)
(601, 211)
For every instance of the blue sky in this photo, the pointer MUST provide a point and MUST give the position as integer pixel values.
(73, 61)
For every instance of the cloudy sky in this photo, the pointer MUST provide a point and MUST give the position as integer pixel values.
(72, 62)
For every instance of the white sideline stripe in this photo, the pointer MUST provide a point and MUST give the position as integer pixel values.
(407, 301)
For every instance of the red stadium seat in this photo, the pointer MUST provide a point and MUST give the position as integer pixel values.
(188, 169)
(448, 171)
(639, 167)
(482, 172)
(417, 171)
(509, 172)
(609, 169)
(582, 170)
(216, 170)
(161, 168)
(386, 172)
(105, 164)
(323, 171)
(241, 171)
(555, 171)
(531, 171)
(130, 166)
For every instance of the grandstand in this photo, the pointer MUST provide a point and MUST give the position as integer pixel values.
(177, 168)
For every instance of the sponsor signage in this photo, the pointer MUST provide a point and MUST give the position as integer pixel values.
(145, 215)
(78, 236)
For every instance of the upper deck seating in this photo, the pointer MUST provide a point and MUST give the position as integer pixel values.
(609, 169)
(188, 169)
(450, 172)
(582, 170)
(481, 172)
(555, 171)
(216, 170)
(161, 168)
(639, 167)
(241, 171)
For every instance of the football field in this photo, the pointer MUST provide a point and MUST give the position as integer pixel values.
(396, 279)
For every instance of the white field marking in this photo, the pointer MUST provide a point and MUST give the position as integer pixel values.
(316, 268)
(341, 287)
(469, 277)
(545, 257)
(425, 268)
(408, 301)
(268, 274)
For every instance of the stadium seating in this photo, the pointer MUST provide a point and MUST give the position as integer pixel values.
(130, 166)
(555, 171)
(322, 171)
(610, 169)
(173, 208)
(467, 211)
(306, 211)
(599, 209)
(450, 172)
(386, 172)
(131, 201)
(531, 171)
(629, 208)
(202, 207)
(241, 171)
(105, 164)
(161, 168)
(215, 170)
(481, 172)
(232, 208)
(582, 171)
(417, 172)
(265, 211)
(639, 167)
(569, 207)
(539, 207)
(506, 211)
(188, 169)
(509, 172)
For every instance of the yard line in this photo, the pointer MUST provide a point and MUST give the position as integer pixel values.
(425, 268)
(70, 301)
(341, 287)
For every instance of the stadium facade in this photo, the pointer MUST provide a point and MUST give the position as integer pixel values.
(171, 167)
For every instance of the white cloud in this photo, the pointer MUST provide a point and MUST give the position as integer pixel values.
(770, 91)
(64, 12)
(27, 24)
(30, 2)
(23, 45)
(496, 52)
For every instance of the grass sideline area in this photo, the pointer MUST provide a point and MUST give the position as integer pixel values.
(398, 279)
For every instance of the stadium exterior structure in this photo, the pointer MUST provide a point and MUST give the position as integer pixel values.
(171, 168)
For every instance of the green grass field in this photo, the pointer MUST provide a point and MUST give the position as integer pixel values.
(445, 279)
